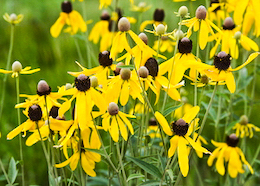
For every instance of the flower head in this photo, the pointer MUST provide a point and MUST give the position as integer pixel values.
(229, 152)
(18, 69)
(244, 128)
(181, 130)
(70, 17)
(158, 17)
(13, 18)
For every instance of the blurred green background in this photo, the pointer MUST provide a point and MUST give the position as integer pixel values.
(34, 46)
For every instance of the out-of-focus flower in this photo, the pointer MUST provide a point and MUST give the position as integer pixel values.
(229, 152)
(202, 24)
(18, 69)
(244, 129)
(165, 44)
(70, 17)
(230, 38)
(142, 7)
(13, 18)
(181, 130)
(158, 17)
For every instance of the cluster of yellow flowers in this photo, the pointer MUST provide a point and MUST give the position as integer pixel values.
(128, 68)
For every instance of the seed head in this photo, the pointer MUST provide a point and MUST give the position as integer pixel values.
(143, 72)
(152, 122)
(66, 7)
(143, 37)
(105, 15)
(222, 61)
(35, 112)
(125, 73)
(113, 108)
(204, 79)
(16, 66)
(82, 82)
(183, 11)
(179, 34)
(160, 29)
(68, 86)
(94, 81)
(180, 127)
(201, 12)
(152, 66)
(43, 88)
(237, 35)
(104, 59)
(243, 120)
(123, 24)
(229, 24)
(232, 140)
(158, 15)
(185, 46)
(13, 17)
(118, 69)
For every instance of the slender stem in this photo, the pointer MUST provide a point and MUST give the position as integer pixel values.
(78, 50)
(170, 76)
(207, 111)
(121, 163)
(20, 135)
(7, 68)
(102, 144)
(158, 47)
(197, 56)
(218, 117)
(6, 176)
(253, 89)
(164, 172)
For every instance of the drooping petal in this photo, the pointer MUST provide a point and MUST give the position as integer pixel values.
(173, 145)
(124, 96)
(203, 34)
(122, 128)
(163, 122)
(86, 166)
(250, 58)
(196, 146)
(183, 156)
(230, 82)
(191, 114)
(114, 132)
(58, 25)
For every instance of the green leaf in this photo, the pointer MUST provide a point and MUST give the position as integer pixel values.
(134, 176)
(127, 66)
(170, 173)
(149, 168)
(101, 152)
(12, 171)
(151, 183)
(170, 110)
(230, 125)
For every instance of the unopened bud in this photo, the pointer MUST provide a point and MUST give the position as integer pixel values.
(143, 72)
(113, 108)
(123, 24)
(143, 37)
(183, 11)
(160, 29)
(16, 66)
(125, 73)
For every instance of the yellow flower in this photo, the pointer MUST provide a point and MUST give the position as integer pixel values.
(202, 24)
(252, 15)
(100, 29)
(101, 72)
(86, 97)
(122, 86)
(141, 53)
(69, 17)
(18, 69)
(244, 129)
(229, 152)
(34, 114)
(153, 129)
(179, 112)
(204, 80)
(178, 64)
(142, 7)
(120, 41)
(115, 121)
(229, 37)
(222, 71)
(13, 18)
(158, 17)
(157, 72)
(181, 131)
(86, 157)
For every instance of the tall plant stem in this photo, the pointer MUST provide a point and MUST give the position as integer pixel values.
(175, 51)
(20, 135)
(7, 68)
(197, 56)
(207, 111)
(78, 50)
(121, 163)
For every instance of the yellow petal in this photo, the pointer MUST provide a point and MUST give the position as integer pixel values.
(122, 128)
(58, 25)
(191, 114)
(196, 146)
(74, 161)
(127, 122)
(114, 132)
(230, 82)
(183, 156)
(161, 119)
(124, 96)
(86, 166)
(220, 162)
(203, 34)
(173, 145)
(250, 58)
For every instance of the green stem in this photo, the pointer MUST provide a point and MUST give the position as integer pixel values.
(197, 57)
(102, 144)
(7, 68)
(207, 111)
(175, 51)
(78, 50)
(164, 172)
(20, 135)
(121, 163)
(218, 117)
(158, 47)
(6, 176)
(253, 89)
